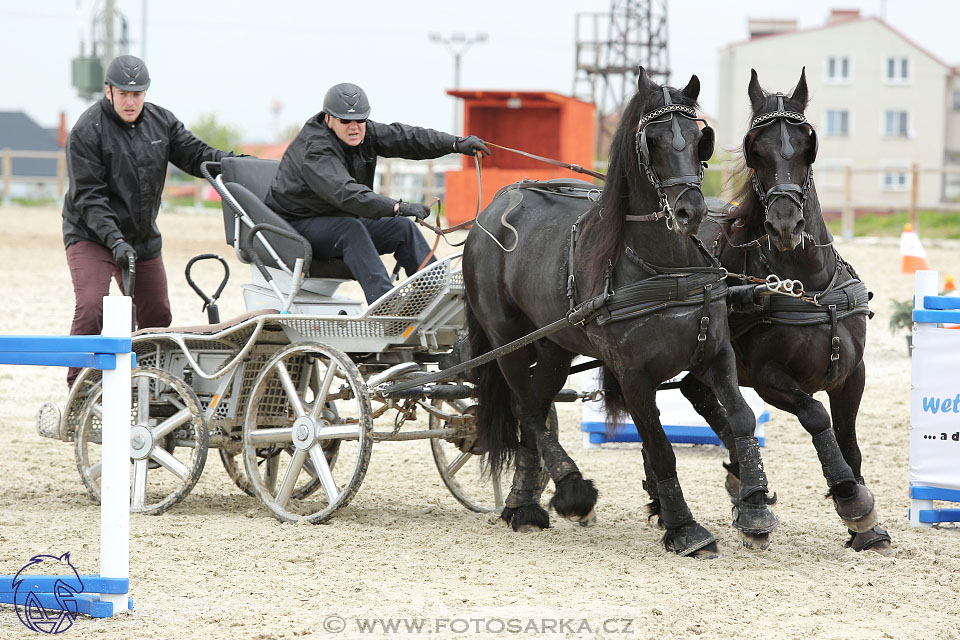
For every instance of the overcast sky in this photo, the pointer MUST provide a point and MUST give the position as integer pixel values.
(243, 59)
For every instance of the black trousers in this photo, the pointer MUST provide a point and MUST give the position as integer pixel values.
(360, 242)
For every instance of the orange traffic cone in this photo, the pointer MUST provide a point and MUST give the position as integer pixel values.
(949, 288)
(912, 256)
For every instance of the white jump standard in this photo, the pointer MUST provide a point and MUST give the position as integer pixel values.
(106, 593)
(934, 405)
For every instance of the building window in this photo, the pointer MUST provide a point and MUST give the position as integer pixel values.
(895, 124)
(896, 70)
(838, 69)
(955, 102)
(894, 180)
(838, 122)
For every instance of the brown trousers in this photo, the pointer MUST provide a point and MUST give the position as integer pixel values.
(91, 269)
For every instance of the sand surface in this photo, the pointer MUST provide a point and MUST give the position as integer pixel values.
(219, 566)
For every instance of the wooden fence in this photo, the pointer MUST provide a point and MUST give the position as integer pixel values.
(848, 206)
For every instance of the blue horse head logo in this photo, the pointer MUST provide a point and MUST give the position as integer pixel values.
(30, 609)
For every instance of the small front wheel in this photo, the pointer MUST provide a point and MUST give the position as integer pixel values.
(168, 441)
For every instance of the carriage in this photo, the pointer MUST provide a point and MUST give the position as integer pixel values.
(292, 394)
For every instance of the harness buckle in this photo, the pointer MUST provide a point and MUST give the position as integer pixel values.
(704, 323)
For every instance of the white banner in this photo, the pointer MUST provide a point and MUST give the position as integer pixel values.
(680, 421)
(935, 408)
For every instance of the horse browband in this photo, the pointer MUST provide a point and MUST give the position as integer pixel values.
(668, 108)
(779, 113)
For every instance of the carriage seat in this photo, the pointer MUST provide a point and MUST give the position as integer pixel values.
(248, 180)
(204, 329)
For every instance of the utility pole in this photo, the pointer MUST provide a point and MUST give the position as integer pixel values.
(143, 36)
(457, 44)
(108, 13)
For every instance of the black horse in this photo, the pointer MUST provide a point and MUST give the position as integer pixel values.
(787, 347)
(622, 280)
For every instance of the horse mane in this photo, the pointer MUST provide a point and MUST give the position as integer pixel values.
(624, 177)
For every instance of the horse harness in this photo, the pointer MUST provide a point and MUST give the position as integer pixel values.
(670, 111)
(796, 193)
(839, 300)
(665, 288)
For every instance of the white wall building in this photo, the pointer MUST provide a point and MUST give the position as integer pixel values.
(878, 101)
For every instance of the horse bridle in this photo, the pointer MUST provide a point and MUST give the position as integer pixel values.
(796, 193)
(670, 111)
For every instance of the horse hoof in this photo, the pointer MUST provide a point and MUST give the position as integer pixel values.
(528, 518)
(755, 541)
(527, 528)
(575, 498)
(588, 521)
(691, 540)
(876, 540)
(753, 519)
(859, 512)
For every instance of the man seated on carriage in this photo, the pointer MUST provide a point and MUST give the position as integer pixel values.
(324, 187)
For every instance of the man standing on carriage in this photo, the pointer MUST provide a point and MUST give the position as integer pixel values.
(324, 187)
(117, 157)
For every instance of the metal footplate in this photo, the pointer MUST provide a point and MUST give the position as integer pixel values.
(48, 421)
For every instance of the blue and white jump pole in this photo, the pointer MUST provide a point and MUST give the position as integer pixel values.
(105, 593)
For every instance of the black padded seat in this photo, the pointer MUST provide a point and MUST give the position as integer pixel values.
(249, 180)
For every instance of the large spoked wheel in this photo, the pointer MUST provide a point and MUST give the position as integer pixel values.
(233, 464)
(459, 459)
(168, 441)
(308, 409)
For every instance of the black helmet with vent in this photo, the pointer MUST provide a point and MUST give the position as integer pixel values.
(346, 101)
(128, 73)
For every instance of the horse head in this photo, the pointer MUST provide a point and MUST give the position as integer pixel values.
(780, 148)
(673, 150)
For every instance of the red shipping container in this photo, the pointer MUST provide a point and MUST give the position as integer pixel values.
(538, 122)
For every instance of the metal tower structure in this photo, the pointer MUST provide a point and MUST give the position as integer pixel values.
(105, 44)
(610, 48)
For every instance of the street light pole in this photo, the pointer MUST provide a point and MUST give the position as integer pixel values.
(457, 44)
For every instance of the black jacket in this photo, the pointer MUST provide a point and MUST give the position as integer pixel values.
(117, 170)
(319, 175)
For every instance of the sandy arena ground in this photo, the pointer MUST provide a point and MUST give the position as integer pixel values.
(219, 566)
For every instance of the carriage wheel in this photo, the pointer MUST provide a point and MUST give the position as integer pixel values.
(460, 463)
(234, 467)
(168, 441)
(308, 409)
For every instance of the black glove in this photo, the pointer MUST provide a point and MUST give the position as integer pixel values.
(471, 145)
(122, 252)
(413, 210)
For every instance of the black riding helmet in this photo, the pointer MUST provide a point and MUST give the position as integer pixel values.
(128, 73)
(346, 101)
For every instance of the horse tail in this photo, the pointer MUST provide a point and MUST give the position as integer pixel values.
(613, 401)
(496, 422)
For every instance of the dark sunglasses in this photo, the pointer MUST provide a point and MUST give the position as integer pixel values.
(342, 121)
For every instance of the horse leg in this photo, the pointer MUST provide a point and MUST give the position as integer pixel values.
(684, 535)
(752, 515)
(844, 407)
(649, 484)
(522, 510)
(854, 502)
(705, 403)
(575, 498)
